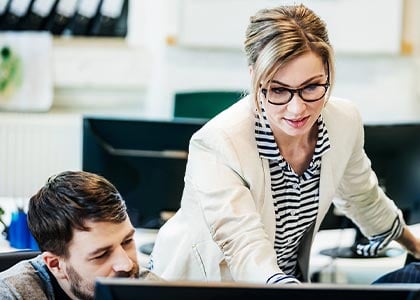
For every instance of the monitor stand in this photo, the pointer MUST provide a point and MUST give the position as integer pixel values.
(147, 248)
(154, 223)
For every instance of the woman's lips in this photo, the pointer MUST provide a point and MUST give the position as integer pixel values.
(297, 123)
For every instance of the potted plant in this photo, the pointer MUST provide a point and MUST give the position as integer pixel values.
(4, 231)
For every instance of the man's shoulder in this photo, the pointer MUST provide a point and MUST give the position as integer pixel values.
(22, 281)
(146, 274)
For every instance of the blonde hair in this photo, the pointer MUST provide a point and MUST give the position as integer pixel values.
(278, 35)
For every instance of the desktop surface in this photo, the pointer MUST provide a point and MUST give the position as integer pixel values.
(352, 271)
(328, 269)
(130, 289)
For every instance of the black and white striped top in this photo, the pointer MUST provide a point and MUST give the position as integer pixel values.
(295, 197)
(296, 200)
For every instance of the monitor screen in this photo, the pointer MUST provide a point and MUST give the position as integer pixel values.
(132, 289)
(144, 159)
(395, 154)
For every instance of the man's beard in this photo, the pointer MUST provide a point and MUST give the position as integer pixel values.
(85, 290)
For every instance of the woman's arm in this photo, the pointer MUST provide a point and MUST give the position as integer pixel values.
(223, 188)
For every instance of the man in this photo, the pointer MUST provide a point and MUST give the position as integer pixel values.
(409, 273)
(80, 223)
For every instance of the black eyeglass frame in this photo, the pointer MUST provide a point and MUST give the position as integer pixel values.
(299, 90)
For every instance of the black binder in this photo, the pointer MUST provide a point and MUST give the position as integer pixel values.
(37, 15)
(61, 16)
(112, 19)
(87, 11)
(16, 11)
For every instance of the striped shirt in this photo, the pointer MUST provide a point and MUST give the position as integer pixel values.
(296, 199)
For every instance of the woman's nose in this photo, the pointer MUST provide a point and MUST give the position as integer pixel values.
(296, 105)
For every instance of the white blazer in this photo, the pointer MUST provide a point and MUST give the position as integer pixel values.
(225, 227)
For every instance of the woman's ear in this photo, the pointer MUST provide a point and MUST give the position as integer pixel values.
(251, 70)
(55, 264)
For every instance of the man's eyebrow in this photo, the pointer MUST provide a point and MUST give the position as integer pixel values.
(105, 248)
(303, 83)
(130, 234)
(99, 250)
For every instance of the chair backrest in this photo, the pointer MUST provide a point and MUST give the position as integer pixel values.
(203, 104)
(8, 259)
(410, 258)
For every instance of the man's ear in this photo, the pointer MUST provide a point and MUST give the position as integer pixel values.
(55, 264)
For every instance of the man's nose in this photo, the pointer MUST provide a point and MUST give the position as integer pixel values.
(122, 261)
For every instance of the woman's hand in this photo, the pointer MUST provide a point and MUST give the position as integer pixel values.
(410, 242)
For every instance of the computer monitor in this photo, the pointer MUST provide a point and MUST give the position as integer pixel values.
(394, 150)
(132, 289)
(144, 159)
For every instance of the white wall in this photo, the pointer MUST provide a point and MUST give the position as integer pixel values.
(384, 88)
(140, 75)
(377, 76)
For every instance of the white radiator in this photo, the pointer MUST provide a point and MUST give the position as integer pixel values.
(35, 146)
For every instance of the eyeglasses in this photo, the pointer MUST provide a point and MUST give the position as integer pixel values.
(309, 93)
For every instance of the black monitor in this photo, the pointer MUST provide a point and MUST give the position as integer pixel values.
(394, 150)
(144, 159)
(132, 289)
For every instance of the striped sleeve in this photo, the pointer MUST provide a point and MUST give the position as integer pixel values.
(281, 278)
(379, 242)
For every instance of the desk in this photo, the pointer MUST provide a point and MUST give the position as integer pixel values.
(350, 270)
(338, 270)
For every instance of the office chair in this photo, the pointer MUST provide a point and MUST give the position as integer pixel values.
(203, 104)
(8, 259)
(410, 258)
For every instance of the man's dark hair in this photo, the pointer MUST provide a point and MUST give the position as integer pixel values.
(66, 202)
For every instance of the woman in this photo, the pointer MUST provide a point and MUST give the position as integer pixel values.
(262, 174)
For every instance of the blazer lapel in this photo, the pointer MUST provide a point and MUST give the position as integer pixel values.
(327, 188)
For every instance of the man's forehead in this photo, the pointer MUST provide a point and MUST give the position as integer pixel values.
(100, 234)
